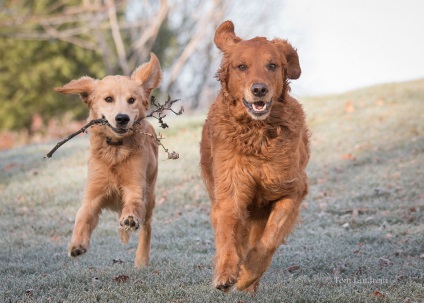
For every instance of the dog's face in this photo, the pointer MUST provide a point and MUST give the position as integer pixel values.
(120, 100)
(255, 71)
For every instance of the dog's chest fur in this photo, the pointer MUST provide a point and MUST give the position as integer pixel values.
(111, 154)
(117, 166)
(265, 155)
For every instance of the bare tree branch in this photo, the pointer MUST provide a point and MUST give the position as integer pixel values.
(103, 26)
(119, 44)
(104, 51)
(71, 39)
(139, 46)
(214, 14)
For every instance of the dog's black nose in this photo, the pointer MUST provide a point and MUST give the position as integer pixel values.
(122, 119)
(259, 89)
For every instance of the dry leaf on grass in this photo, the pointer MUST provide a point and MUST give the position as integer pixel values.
(293, 268)
(122, 278)
(29, 292)
(384, 261)
(378, 294)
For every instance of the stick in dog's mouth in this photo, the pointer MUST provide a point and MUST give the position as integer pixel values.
(156, 113)
(119, 131)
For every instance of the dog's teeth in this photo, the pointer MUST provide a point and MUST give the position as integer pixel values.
(258, 108)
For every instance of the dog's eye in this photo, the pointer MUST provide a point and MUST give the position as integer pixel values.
(242, 67)
(272, 66)
(109, 99)
(131, 100)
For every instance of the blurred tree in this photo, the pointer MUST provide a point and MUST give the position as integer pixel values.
(46, 43)
(107, 27)
(199, 21)
(29, 69)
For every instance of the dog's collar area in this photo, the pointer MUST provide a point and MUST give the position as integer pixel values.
(113, 143)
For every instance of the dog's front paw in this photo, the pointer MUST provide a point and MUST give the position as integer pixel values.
(130, 223)
(224, 281)
(77, 250)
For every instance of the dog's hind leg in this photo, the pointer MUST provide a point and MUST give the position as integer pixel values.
(255, 233)
(124, 235)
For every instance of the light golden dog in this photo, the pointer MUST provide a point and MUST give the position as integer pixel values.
(123, 163)
(254, 150)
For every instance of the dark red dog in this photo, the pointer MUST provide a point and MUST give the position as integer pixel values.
(254, 150)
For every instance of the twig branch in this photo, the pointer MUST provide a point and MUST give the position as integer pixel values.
(155, 113)
(82, 130)
(160, 108)
(174, 155)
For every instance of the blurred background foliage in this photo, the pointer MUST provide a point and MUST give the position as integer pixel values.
(30, 70)
(46, 43)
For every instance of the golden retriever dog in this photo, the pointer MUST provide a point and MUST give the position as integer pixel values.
(123, 163)
(254, 150)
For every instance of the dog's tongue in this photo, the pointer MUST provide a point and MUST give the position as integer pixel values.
(257, 106)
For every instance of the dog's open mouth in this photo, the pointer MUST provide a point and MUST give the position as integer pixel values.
(258, 108)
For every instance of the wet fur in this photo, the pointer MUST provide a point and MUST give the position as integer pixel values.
(254, 170)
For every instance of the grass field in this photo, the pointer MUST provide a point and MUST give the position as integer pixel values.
(361, 238)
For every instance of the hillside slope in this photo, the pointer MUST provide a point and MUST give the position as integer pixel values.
(360, 239)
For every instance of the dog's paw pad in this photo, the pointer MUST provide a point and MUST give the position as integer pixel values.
(77, 251)
(130, 223)
(224, 284)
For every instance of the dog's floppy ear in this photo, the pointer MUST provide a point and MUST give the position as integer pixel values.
(293, 66)
(148, 75)
(83, 86)
(225, 36)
